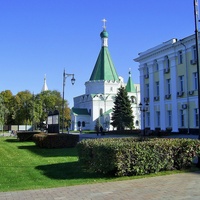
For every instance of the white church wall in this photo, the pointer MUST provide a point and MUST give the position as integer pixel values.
(111, 87)
(94, 87)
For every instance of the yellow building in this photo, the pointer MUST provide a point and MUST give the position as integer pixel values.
(168, 82)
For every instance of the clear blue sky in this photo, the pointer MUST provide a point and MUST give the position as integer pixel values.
(39, 37)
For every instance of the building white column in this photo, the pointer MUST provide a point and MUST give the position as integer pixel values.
(175, 116)
(151, 95)
(162, 94)
(75, 123)
(142, 88)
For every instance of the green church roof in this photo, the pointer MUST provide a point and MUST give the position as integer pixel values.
(80, 111)
(130, 86)
(108, 112)
(104, 34)
(104, 68)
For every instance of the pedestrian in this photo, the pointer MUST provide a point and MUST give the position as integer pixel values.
(97, 130)
(101, 130)
(80, 130)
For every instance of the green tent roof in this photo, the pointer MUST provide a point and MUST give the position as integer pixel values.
(80, 111)
(130, 86)
(104, 68)
(108, 112)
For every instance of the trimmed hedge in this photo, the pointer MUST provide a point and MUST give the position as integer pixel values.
(26, 135)
(137, 156)
(55, 140)
(125, 132)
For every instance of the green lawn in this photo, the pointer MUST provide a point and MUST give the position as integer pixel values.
(25, 166)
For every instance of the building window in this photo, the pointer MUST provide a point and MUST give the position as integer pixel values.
(101, 112)
(195, 82)
(157, 88)
(166, 62)
(147, 70)
(158, 119)
(83, 124)
(181, 83)
(182, 118)
(156, 68)
(133, 100)
(196, 117)
(180, 57)
(194, 53)
(168, 86)
(147, 90)
(79, 123)
(169, 116)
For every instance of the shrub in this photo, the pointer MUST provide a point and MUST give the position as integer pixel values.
(131, 156)
(55, 140)
(26, 135)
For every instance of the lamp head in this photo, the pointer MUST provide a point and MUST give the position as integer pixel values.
(73, 80)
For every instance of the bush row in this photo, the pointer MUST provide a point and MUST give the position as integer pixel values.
(55, 140)
(26, 135)
(137, 156)
(125, 132)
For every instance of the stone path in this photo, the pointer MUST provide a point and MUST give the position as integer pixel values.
(184, 186)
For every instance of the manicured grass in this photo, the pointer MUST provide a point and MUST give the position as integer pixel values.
(25, 166)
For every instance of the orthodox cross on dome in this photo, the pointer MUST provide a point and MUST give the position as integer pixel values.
(104, 23)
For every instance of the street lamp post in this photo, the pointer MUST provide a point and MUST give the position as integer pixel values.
(144, 109)
(65, 75)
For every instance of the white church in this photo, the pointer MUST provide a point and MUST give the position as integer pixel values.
(100, 92)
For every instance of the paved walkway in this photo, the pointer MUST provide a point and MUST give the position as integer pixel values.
(185, 186)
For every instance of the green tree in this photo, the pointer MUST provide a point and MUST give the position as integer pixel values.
(122, 116)
(48, 101)
(3, 112)
(23, 108)
(27, 108)
(7, 99)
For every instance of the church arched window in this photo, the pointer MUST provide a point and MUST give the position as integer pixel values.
(79, 123)
(83, 124)
(133, 99)
(101, 112)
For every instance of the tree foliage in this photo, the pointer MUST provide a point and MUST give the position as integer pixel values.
(122, 116)
(28, 108)
(3, 111)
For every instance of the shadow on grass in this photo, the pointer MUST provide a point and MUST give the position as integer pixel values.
(69, 171)
(74, 171)
(16, 140)
(63, 152)
(12, 140)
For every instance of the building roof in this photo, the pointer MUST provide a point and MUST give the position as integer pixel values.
(44, 88)
(108, 112)
(80, 111)
(104, 68)
(130, 86)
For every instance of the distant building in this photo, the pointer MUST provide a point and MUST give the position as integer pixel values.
(100, 92)
(44, 88)
(168, 81)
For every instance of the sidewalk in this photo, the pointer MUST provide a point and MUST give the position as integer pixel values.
(170, 187)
